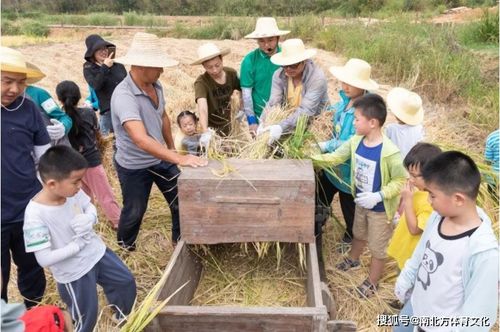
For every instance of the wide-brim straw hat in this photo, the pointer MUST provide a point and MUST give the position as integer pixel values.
(209, 51)
(292, 51)
(266, 27)
(13, 61)
(147, 51)
(355, 72)
(406, 106)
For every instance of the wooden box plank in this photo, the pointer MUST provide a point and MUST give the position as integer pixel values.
(260, 200)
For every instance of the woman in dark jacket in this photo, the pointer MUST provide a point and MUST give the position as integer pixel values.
(103, 75)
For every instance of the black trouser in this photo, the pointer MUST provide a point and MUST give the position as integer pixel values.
(325, 191)
(30, 275)
(136, 186)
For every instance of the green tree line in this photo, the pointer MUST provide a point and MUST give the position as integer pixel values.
(229, 7)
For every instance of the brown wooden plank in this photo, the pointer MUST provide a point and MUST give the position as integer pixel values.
(183, 266)
(314, 298)
(221, 319)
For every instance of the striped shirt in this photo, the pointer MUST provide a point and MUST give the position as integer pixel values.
(491, 151)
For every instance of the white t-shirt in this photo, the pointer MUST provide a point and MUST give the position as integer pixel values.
(439, 289)
(47, 226)
(404, 136)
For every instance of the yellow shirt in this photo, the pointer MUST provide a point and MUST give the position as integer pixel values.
(403, 242)
(294, 96)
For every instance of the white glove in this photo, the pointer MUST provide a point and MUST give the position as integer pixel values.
(403, 295)
(322, 146)
(56, 130)
(368, 200)
(240, 116)
(261, 129)
(82, 223)
(205, 139)
(275, 132)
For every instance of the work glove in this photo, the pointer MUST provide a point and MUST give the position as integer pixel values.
(82, 223)
(368, 200)
(322, 146)
(205, 139)
(275, 132)
(261, 129)
(240, 116)
(403, 295)
(56, 130)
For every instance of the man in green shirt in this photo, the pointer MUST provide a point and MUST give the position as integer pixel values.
(257, 69)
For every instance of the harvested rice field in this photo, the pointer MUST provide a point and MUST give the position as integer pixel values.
(233, 275)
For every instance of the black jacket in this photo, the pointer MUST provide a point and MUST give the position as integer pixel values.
(104, 80)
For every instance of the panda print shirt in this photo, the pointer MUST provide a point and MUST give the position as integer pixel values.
(439, 290)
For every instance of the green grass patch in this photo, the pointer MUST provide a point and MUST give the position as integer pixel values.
(34, 28)
(480, 34)
(218, 28)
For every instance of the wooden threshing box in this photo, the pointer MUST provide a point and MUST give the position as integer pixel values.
(260, 200)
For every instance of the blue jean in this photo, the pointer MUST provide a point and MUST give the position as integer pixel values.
(30, 275)
(80, 295)
(406, 311)
(136, 186)
(105, 124)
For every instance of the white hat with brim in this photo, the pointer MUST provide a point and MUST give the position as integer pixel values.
(146, 51)
(292, 51)
(355, 72)
(266, 27)
(13, 61)
(209, 51)
(406, 106)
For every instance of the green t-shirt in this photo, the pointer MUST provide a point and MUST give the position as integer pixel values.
(218, 99)
(257, 73)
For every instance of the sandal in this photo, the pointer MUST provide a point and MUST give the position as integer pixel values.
(366, 289)
(347, 264)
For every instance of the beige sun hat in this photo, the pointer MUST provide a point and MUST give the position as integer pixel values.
(209, 51)
(14, 61)
(406, 106)
(355, 72)
(266, 27)
(146, 51)
(292, 51)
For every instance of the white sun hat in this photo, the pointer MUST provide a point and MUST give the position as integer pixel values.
(355, 72)
(209, 51)
(12, 60)
(146, 50)
(266, 27)
(292, 51)
(406, 106)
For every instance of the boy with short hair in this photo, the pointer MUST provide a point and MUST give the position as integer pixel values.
(414, 200)
(378, 176)
(58, 228)
(453, 272)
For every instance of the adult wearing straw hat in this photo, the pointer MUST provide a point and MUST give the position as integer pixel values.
(257, 70)
(299, 84)
(24, 140)
(145, 148)
(213, 91)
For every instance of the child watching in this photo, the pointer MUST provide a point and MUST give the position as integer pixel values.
(379, 175)
(355, 81)
(453, 271)
(407, 108)
(83, 137)
(414, 200)
(58, 229)
(188, 140)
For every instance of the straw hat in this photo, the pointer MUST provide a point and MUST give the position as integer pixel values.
(146, 51)
(13, 61)
(292, 51)
(209, 51)
(266, 27)
(406, 106)
(355, 72)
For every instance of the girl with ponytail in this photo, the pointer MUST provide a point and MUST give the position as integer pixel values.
(83, 137)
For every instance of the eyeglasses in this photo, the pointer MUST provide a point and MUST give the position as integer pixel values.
(294, 66)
